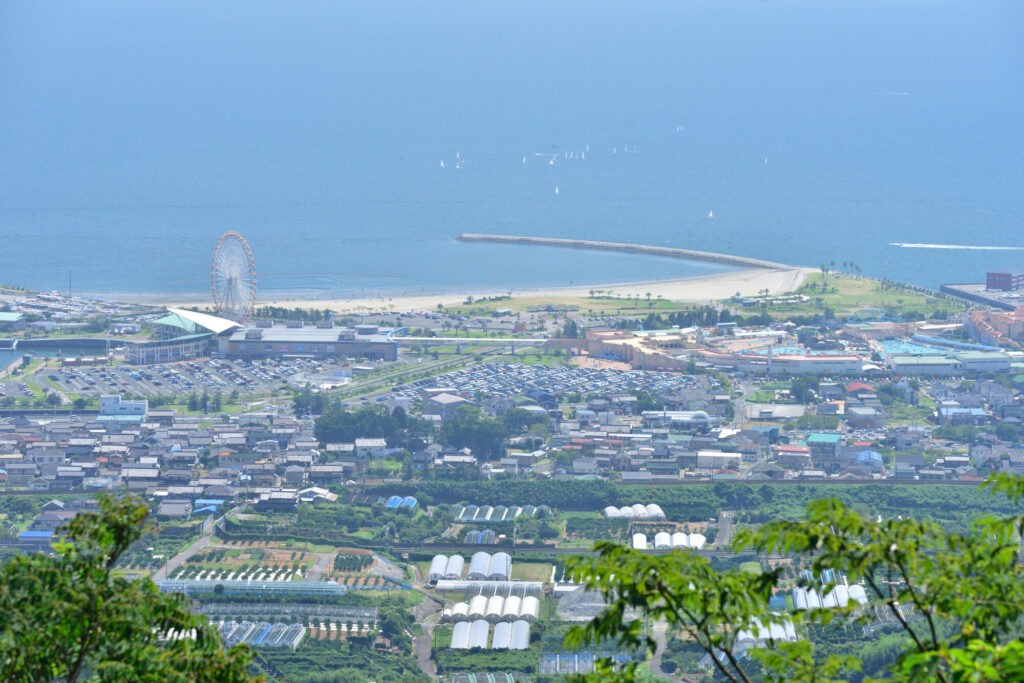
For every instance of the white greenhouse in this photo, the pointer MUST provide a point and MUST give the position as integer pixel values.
(478, 633)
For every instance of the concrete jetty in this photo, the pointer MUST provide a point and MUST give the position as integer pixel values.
(648, 250)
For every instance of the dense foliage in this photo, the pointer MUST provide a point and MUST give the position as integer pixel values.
(339, 425)
(70, 616)
(353, 661)
(956, 596)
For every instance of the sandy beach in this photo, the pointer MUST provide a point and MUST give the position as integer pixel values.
(694, 290)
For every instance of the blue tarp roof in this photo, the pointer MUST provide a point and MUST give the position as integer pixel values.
(209, 501)
(35, 534)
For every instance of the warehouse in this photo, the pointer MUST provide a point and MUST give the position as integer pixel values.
(928, 366)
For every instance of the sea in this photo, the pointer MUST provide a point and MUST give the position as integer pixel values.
(350, 142)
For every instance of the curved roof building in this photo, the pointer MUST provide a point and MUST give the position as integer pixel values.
(494, 608)
(453, 570)
(611, 512)
(478, 633)
(626, 511)
(502, 637)
(477, 607)
(460, 611)
(479, 567)
(858, 595)
(501, 567)
(520, 639)
(530, 609)
(437, 566)
(680, 540)
(460, 636)
(639, 542)
(654, 511)
(513, 605)
(639, 511)
(662, 540)
(698, 541)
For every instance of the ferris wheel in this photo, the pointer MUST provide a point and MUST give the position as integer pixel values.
(233, 278)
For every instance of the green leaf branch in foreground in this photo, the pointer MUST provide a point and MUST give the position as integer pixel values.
(70, 617)
(958, 597)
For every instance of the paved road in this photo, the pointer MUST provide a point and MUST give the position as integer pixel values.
(179, 559)
(427, 613)
(725, 530)
(323, 563)
(661, 638)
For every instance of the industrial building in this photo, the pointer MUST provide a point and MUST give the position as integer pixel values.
(929, 366)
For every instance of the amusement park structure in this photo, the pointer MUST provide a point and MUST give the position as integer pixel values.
(233, 278)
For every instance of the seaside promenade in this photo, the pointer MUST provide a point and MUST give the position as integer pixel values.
(670, 252)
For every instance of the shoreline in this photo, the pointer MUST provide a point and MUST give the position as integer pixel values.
(701, 289)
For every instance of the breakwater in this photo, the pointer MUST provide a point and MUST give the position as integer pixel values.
(670, 252)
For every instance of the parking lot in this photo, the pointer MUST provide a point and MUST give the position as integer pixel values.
(500, 381)
(191, 377)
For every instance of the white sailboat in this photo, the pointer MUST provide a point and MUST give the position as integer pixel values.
(442, 163)
(711, 214)
(556, 189)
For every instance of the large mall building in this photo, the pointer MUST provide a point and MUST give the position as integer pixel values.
(185, 335)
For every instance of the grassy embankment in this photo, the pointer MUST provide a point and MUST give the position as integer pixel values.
(848, 295)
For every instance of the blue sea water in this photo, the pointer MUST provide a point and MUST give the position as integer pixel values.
(132, 134)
